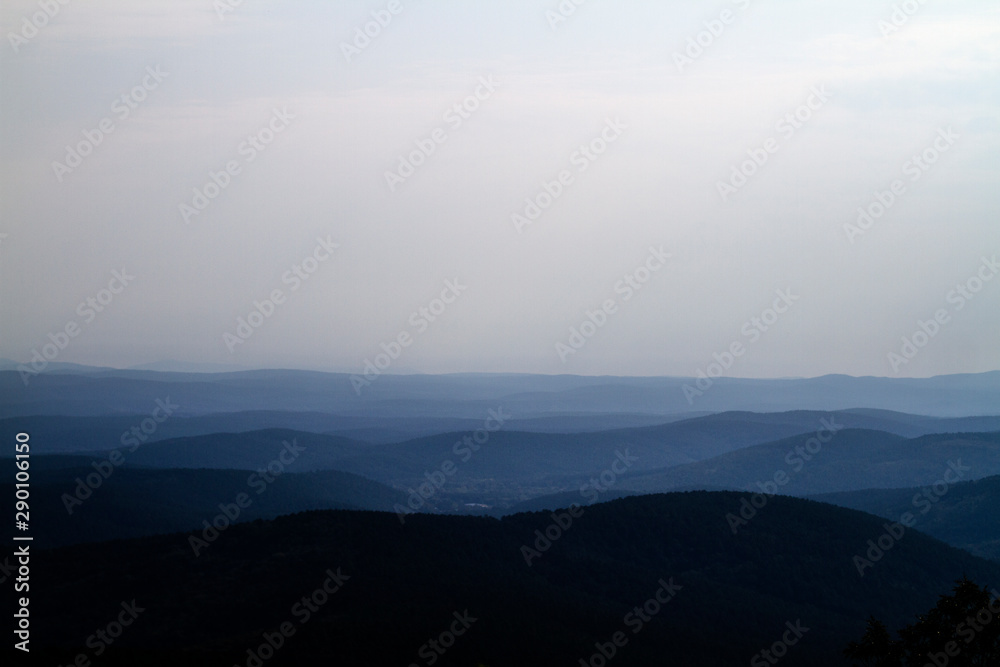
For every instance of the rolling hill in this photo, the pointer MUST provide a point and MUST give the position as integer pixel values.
(510, 454)
(392, 588)
(966, 514)
(853, 459)
(139, 502)
(59, 434)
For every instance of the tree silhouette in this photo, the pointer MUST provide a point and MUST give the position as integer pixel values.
(962, 630)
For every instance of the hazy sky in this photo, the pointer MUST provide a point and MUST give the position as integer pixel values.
(662, 123)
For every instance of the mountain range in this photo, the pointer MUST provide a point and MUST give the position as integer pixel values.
(546, 517)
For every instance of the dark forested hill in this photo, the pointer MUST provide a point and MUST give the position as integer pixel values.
(851, 459)
(65, 509)
(692, 437)
(966, 514)
(661, 575)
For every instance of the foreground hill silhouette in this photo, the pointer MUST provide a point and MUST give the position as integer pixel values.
(961, 630)
(791, 565)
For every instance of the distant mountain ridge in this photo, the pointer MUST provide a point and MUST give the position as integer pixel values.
(103, 391)
(58, 434)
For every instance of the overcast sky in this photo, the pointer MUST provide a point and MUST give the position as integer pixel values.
(665, 122)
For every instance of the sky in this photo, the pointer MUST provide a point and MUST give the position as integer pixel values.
(778, 188)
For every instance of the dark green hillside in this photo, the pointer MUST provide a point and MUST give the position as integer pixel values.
(565, 499)
(965, 515)
(515, 456)
(507, 454)
(246, 451)
(792, 563)
(137, 502)
(692, 437)
(852, 459)
(56, 434)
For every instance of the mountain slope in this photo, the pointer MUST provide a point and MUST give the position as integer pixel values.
(966, 514)
(135, 502)
(852, 459)
(405, 584)
(60, 434)
(247, 451)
